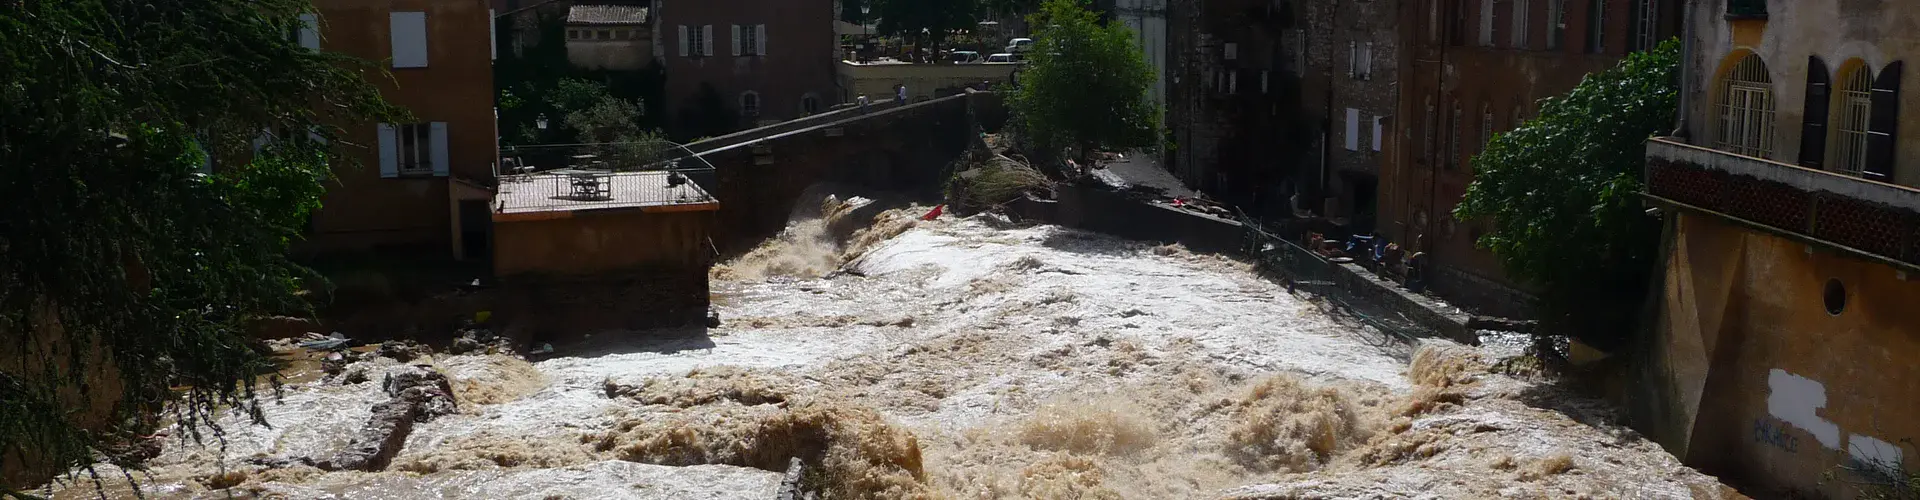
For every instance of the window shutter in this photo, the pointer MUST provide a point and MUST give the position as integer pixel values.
(736, 40)
(1263, 81)
(309, 32)
(1486, 23)
(1233, 82)
(706, 40)
(409, 34)
(1353, 129)
(389, 151)
(1813, 123)
(1353, 59)
(683, 41)
(1884, 123)
(760, 39)
(439, 151)
(1366, 62)
(1376, 133)
(493, 42)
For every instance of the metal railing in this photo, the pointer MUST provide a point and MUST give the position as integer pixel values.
(1304, 270)
(604, 175)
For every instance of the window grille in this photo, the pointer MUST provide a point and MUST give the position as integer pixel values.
(1745, 109)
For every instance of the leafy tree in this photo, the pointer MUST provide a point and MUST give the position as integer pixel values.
(127, 276)
(613, 125)
(1086, 86)
(926, 21)
(1562, 194)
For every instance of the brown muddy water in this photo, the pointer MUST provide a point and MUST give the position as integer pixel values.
(962, 359)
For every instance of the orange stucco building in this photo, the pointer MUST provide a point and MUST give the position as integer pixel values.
(417, 187)
(1782, 355)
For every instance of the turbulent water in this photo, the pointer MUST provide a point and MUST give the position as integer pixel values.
(962, 359)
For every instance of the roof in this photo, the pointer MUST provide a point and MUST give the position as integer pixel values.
(607, 14)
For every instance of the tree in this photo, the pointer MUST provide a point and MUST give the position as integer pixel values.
(127, 274)
(926, 21)
(613, 126)
(1086, 85)
(1562, 195)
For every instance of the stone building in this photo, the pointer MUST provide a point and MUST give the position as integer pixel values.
(1781, 358)
(614, 37)
(1232, 110)
(1469, 69)
(767, 60)
(1347, 51)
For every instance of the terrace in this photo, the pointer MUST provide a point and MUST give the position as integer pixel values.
(653, 176)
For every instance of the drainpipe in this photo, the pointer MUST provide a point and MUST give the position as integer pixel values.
(1686, 69)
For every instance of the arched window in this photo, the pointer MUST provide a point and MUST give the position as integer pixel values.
(749, 103)
(809, 104)
(1453, 136)
(1486, 124)
(1745, 109)
(1517, 120)
(1852, 105)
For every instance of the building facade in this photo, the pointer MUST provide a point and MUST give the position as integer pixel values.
(416, 182)
(1232, 108)
(1782, 355)
(876, 79)
(1349, 53)
(612, 37)
(767, 60)
(1473, 68)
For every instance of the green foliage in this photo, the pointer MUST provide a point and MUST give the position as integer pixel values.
(1086, 86)
(539, 81)
(114, 243)
(1562, 193)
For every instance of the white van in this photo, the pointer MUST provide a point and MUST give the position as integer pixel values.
(1000, 58)
(1019, 45)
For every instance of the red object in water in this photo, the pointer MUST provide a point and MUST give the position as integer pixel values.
(935, 214)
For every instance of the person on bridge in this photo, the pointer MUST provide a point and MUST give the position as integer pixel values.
(900, 93)
(863, 103)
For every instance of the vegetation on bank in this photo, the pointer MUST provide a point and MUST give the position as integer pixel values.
(1561, 193)
(1086, 86)
(129, 269)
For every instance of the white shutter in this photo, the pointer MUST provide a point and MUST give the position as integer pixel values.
(1353, 129)
(1486, 23)
(1376, 133)
(736, 40)
(439, 151)
(760, 39)
(389, 151)
(1263, 81)
(260, 141)
(1353, 60)
(1233, 51)
(309, 32)
(1233, 82)
(493, 43)
(1366, 62)
(683, 41)
(706, 40)
(409, 34)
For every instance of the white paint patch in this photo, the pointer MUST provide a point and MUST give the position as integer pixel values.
(1793, 399)
(1867, 450)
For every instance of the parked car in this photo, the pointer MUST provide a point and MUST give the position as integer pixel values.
(1000, 58)
(964, 57)
(1019, 45)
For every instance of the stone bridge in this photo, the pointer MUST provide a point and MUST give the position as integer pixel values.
(760, 174)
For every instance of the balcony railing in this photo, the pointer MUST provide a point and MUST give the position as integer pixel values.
(568, 177)
(1877, 219)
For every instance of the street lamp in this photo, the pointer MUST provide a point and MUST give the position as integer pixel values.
(540, 122)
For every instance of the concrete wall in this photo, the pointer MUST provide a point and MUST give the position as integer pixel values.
(1749, 377)
(1104, 211)
(364, 211)
(800, 42)
(1873, 33)
(599, 243)
(923, 81)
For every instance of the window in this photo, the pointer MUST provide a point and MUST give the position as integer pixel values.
(749, 39)
(1646, 20)
(1263, 81)
(309, 32)
(696, 41)
(1747, 9)
(573, 34)
(1854, 105)
(1427, 126)
(1232, 51)
(1516, 121)
(1520, 23)
(749, 103)
(1433, 21)
(408, 31)
(1486, 126)
(1596, 26)
(1745, 109)
(1353, 129)
(809, 104)
(1457, 23)
(1376, 133)
(1299, 52)
(1233, 81)
(1366, 61)
(1353, 59)
(1486, 23)
(413, 149)
(1453, 137)
(1556, 23)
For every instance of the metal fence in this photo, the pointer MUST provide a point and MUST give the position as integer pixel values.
(1304, 270)
(585, 176)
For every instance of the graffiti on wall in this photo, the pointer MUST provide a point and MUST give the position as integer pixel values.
(1796, 401)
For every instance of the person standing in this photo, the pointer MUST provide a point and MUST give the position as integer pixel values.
(863, 103)
(900, 93)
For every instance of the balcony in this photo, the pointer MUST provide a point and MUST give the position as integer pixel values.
(653, 176)
(1746, 9)
(1875, 220)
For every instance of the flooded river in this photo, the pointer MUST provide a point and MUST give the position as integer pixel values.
(960, 359)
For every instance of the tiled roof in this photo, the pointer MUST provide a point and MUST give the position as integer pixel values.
(606, 14)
